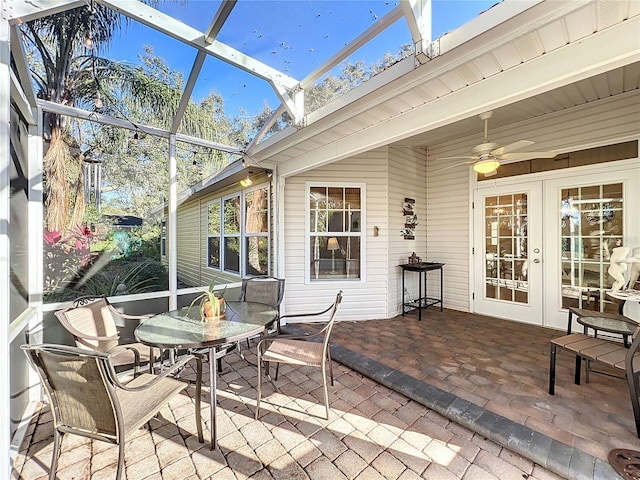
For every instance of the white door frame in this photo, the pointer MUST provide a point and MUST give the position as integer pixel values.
(530, 311)
(626, 171)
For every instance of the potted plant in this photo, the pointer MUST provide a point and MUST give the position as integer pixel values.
(212, 305)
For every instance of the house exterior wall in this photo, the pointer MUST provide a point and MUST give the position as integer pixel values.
(192, 238)
(362, 300)
(407, 179)
(390, 175)
(449, 231)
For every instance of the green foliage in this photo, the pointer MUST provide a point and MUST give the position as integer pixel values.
(136, 277)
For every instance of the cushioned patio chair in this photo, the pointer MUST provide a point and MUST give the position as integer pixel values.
(303, 350)
(91, 322)
(87, 399)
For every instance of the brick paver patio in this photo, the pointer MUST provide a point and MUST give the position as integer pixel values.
(372, 433)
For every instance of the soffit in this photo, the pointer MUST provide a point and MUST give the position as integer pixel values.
(545, 28)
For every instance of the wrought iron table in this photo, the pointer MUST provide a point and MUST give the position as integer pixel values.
(183, 329)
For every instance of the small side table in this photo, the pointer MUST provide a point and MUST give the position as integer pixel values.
(423, 300)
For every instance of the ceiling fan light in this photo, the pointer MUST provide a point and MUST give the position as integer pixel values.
(486, 166)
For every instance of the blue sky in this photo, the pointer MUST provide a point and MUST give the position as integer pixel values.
(293, 36)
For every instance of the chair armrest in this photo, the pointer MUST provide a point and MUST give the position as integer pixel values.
(126, 316)
(176, 366)
(293, 315)
(264, 343)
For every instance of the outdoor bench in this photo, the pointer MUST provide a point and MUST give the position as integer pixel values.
(610, 353)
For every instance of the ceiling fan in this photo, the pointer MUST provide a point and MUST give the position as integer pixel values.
(486, 157)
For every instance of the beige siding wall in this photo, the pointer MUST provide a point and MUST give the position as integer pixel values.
(362, 300)
(191, 257)
(192, 238)
(407, 178)
(448, 203)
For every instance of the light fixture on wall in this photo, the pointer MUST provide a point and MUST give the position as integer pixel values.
(487, 166)
(332, 246)
(246, 182)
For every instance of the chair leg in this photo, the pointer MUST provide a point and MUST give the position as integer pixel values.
(330, 365)
(578, 370)
(57, 442)
(151, 357)
(632, 379)
(552, 369)
(259, 383)
(326, 390)
(120, 459)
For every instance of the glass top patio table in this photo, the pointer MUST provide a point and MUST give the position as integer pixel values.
(183, 328)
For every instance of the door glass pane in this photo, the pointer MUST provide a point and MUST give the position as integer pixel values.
(591, 226)
(506, 254)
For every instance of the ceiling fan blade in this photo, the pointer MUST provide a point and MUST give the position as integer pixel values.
(454, 165)
(512, 146)
(527, 155)
(465, 157)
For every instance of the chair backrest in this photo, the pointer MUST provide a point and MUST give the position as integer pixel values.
(87, 318)
(78, 385)
(267, 290)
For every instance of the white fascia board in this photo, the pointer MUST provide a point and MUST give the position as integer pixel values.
(20, 11)
(121, 123)
(487, 20)
(21, 66)
(418, 16)
(591, 56)
(161, 22)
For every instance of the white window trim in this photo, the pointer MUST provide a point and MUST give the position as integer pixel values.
(245, 234)
(224, 235)
(219, 202)
(307, 233)
(242, 235)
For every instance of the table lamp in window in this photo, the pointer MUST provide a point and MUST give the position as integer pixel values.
(332, 246)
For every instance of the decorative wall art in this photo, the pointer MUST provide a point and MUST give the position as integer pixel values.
(410, 218)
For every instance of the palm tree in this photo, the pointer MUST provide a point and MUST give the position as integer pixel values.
(66, 69)
(61, 73)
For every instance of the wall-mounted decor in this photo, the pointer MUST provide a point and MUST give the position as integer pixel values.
(410, 218)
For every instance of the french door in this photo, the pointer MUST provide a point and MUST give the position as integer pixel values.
(508, 252)
(542, 246)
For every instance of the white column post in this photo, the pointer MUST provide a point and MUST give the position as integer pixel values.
(172, 224)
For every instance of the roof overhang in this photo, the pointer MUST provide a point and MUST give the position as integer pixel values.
(541, 50)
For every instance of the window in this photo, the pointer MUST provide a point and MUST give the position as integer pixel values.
(335, 232)
(213, 234)
(591, 222)
(256, 228)
(231, 234)
(238, 233)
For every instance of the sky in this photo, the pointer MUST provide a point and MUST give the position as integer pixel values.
(293, 36)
